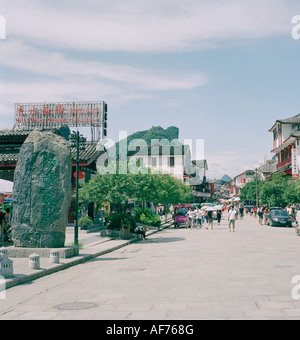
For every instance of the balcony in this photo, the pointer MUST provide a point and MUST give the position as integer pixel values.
(284, 163)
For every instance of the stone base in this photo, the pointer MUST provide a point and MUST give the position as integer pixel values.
(19, 252)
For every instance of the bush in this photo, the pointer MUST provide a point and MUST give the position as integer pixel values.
(151, 220)
(140, 211)
(114, 221)
(85, 222)
(147, 216)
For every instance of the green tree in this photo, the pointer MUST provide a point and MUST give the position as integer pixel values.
(119, 189)
(280, 191)
(248, 192)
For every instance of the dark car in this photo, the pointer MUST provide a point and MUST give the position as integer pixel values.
(279, 218)
(276, 208)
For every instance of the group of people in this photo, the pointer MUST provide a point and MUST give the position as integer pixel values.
(197, 217)
(5, 225)
(293, 212)
(263, 211)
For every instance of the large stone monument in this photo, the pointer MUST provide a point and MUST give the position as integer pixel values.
(42, 191)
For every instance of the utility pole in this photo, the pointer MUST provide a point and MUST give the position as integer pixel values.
(78, 141)
(256, 188)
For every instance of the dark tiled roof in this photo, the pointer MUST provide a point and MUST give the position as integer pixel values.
(291, 120)
(86, 155)
(13, 133)
(12, 140)
(9, 156)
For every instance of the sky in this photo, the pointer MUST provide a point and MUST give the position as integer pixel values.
(220, 70)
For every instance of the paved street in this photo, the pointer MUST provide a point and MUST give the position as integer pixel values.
(176, 274)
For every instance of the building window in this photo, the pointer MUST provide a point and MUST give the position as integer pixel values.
(171, 162)
(250, 173)
(140, 162)
(296, 127)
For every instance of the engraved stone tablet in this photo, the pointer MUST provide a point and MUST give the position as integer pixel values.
(42, 191)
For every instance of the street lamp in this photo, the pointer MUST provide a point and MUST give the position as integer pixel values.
(77, 141)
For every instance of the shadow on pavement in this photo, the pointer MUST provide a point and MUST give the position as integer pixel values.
(108, 259)
(162, 240)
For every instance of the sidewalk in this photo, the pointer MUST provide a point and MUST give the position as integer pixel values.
(93, 245)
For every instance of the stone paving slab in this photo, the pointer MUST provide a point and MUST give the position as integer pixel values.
(93, 246)
(177, 274)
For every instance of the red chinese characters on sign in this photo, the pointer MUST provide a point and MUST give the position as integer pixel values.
(46, 111)
(34, 111)
(59, 110)
(52, 115)
(21, 111)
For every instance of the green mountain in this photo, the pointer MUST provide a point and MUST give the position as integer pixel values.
(156, 132)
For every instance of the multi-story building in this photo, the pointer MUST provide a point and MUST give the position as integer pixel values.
(172, 159)
(286, 145)
(240, 180)
(201, 188)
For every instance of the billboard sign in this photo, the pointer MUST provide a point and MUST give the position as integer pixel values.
(295, 170)
(29, 116)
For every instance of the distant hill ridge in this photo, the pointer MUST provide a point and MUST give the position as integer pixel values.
(226, 178)
(157, 133)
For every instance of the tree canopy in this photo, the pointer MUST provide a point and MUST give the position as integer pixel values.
(280, 191)
(120, 189)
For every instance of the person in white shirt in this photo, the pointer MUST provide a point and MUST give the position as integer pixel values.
(198, 218)
(190, 215)
(298, 217)
(231, 218)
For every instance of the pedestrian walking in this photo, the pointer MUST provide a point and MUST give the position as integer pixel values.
(298, 217)
(190, 215)
(231, 218)
(219, 215)
(210, 219)
(260, 215)
(202, 213)
(198, 218)
(255, 211)
(266, 214)
(241, 212)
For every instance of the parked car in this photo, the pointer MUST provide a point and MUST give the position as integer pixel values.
(279, 218)
(276, 208)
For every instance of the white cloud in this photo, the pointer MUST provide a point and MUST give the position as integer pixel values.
(145, 26)
(232, 163)
(28, 58)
